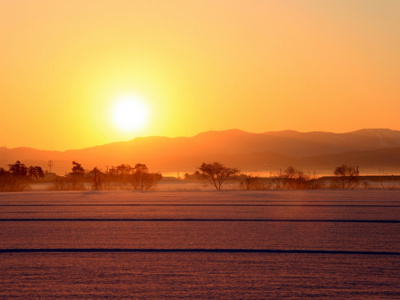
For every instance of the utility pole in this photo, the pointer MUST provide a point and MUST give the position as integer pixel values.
(50, 164)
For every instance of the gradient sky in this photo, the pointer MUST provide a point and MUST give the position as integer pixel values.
(199, 65)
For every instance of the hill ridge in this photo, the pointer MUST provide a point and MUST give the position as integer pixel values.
(236, 147)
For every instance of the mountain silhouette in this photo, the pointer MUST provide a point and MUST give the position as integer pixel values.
(371, 149)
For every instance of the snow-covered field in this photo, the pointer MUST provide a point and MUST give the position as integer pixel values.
(204, 244)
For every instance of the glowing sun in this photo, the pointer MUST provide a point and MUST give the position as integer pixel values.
(129, 114)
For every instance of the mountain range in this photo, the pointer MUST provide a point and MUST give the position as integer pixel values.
(373, 150)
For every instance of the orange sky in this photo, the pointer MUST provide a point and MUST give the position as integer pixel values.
(199, 65)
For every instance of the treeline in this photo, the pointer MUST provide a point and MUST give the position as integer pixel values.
(120, 177)
(124, 177)
(19, 177)
(345, 177)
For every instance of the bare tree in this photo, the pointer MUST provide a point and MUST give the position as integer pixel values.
(119, 176)
(142, 179)
(294, 179)
(73, 181)
(216, 173)
(98, 178)
(346, 177)
(278, 181)
(123, 170)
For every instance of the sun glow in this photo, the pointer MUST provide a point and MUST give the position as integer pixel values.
(130, 114)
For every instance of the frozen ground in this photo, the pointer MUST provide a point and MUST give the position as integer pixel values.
(200, 244)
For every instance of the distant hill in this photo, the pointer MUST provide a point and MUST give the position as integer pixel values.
(371, 149)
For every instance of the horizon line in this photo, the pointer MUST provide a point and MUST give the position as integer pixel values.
(195, 135)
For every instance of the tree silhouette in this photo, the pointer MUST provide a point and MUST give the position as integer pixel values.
(123, 169)
(294, 179)
(216, 173)
(98, 178)
(346, 176)
(77, 169)
(18, 169)
(140, 168)
(142, 179)
(35, 172)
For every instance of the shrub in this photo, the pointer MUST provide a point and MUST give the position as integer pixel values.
(254, 183)
(71, 183)
(10, 183)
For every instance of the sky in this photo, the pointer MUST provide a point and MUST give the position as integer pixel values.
(195, 66)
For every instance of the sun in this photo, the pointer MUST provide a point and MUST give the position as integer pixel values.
(129, 114)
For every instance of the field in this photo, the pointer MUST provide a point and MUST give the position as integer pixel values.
(200, 244)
